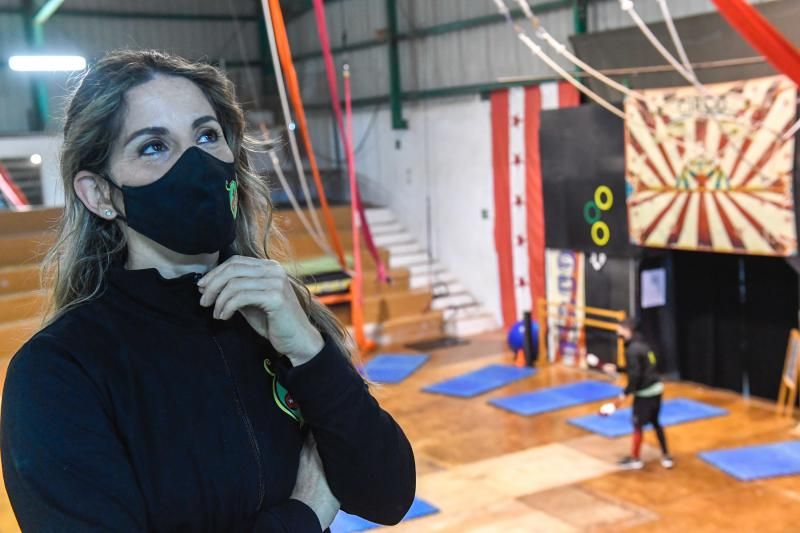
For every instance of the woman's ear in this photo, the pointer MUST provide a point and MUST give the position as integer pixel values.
(95, 194)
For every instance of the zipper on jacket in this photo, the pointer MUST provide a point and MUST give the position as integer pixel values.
(247, 424)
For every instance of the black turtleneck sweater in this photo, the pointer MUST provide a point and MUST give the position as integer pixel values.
(137, 411)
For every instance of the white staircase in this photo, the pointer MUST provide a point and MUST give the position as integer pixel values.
(463, 315)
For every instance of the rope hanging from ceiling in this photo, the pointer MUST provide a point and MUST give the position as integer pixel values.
(627, 5)
(317, 236)
(538, 52)
(285, 59)
(676, 38)
(561, 49)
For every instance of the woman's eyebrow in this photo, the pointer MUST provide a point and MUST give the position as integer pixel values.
(203, 120)
(152, 130)
(158, 130)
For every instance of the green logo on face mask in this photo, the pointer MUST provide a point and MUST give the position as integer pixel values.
(233, 194)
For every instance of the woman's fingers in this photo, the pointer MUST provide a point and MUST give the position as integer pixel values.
(240, 292)
(237, 263)
(234, 287)
(212, 284)
(256, 288)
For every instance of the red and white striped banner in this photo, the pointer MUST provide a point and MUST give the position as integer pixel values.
(518, 204)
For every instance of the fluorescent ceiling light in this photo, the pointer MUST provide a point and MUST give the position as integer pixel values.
(46, 63)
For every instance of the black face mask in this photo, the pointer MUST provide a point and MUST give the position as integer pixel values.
(191, 209)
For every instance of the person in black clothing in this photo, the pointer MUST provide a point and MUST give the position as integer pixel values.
(184, 381)
(647, 389)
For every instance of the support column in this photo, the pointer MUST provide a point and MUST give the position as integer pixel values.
(395, 85)
(35, 17)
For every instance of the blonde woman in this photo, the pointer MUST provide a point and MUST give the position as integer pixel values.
(183, 380)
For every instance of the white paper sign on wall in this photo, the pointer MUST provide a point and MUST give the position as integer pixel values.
(654, 288)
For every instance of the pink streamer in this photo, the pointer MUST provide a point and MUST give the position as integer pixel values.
(330, 71)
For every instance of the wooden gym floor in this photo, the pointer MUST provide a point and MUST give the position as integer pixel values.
(492, 471)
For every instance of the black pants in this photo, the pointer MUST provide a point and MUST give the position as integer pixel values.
(646, 411)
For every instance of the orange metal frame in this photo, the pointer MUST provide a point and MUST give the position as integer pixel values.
(790, 378)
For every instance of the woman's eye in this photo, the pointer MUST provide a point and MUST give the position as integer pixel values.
(152, 147)
(208, 136)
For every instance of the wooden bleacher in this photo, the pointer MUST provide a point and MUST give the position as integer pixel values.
(395, 313)
(25, 237)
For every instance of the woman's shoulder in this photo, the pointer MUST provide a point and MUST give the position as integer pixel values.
(70, 339)
(52, 382)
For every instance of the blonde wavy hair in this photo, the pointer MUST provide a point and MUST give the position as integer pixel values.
(87, 245)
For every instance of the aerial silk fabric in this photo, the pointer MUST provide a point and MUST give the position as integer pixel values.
(322, 29)
(762, 36)
(285, 54)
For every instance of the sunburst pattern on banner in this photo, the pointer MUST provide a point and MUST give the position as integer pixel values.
(711, 173)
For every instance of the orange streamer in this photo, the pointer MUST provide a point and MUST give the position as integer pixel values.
(285, 54)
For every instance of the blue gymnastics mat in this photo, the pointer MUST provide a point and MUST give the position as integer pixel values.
(393, 368)
(480, 381)
(554, 398)
(677, 411)
(346, 523)
(757, 462)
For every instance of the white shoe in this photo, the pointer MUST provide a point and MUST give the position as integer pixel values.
(629, 463)
(666, 462)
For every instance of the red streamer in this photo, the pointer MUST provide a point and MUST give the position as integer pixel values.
(356, 301)
(10, 190)
(285, 55)
(330, 71)
(762, 36)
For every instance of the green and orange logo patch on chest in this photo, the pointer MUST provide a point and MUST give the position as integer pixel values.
(281, 396)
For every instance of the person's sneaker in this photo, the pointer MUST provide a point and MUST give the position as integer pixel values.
(629, 463)
(666, 461)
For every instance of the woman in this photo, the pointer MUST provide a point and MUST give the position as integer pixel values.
(156, 396)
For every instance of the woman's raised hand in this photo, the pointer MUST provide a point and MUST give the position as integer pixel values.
(261, 291)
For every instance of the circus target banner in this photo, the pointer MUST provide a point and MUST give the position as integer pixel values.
(583, 175)
(711, 172)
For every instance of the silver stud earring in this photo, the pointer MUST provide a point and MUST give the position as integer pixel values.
(108, 212)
